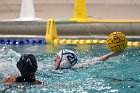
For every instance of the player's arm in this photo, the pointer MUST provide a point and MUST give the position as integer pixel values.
(88, 62)
(9, 80)
(80, 65)
(104, 57)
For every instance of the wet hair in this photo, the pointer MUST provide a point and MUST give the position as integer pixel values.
(27, 65)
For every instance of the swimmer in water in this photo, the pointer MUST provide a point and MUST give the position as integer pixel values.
(27, 66)
(67, 59)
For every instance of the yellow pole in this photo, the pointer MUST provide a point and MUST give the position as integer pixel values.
(80, 9)
(51, 32)
(80, 13)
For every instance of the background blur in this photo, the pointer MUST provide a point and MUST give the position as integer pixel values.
(63, 9)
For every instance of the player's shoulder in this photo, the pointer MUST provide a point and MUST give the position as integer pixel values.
(37, 82)
(9, 79)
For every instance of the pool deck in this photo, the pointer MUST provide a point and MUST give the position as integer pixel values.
(63, 9)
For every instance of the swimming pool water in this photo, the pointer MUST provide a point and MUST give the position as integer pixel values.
(116, 75)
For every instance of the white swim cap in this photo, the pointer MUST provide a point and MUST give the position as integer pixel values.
(68, 59)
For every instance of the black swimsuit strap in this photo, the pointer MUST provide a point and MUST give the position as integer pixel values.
(25, 79)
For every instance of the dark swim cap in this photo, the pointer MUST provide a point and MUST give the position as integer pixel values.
(27, 64)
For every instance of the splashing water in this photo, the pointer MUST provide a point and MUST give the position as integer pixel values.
(8, 59)
(115, 75)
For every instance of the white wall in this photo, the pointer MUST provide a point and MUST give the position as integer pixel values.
(71, 1)
(90, 1)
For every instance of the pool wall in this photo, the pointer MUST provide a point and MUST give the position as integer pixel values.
(38, 28)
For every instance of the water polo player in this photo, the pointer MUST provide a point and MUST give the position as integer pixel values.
(27, 66)
(67, 59)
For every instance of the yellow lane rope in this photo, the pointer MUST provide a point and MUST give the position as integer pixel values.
(70, 41)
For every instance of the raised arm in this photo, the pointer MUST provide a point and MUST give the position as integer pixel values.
(104, 57)
(94, 60)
